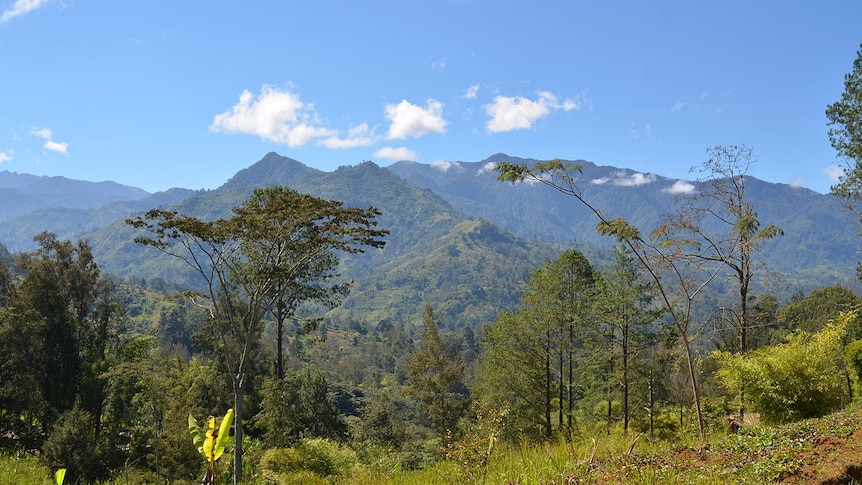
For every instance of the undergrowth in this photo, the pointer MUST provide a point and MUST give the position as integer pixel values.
(821, 450)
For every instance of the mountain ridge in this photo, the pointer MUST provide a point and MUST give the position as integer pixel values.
(444, 217)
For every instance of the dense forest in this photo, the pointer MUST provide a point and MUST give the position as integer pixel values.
(252, 356)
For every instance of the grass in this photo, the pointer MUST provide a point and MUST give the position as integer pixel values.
(825, 450)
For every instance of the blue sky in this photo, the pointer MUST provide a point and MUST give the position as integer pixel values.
(159, 94)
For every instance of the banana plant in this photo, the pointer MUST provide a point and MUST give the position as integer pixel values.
(211, 441)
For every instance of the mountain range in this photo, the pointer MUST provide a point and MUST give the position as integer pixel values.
(459, 239)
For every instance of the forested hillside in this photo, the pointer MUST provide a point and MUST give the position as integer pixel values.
(365, 323)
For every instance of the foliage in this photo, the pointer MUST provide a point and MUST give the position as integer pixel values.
(798, 379)
(298, 406)
(316, 455)
(252, 261)
(853, 359)
(73, 446)
(472, 449)
(211, 440)
(436, 377)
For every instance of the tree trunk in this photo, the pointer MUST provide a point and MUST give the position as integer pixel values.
(548, 385)
(238, 394)
(695, 389)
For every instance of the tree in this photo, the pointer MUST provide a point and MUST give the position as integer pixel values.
(293, 237)
(561, 294)
(530, 357)
(845, 134)
(516, 368)
(63, 290)
(659, 255)
(625, 307)
(725, 227)
(245, 260)
(436, 377)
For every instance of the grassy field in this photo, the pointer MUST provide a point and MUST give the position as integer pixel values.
(826, 450)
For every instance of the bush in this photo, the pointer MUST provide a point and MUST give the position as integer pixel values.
(72, 445)
(317, 455)
(801, 378)
(853, 358)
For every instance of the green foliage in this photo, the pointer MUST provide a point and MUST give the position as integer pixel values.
(211, 440)
(299, 406)
(853, 359)
(436, 377)
(72, 445)
(845, 132)
(472, 449)
(798, 379)
(316, 455)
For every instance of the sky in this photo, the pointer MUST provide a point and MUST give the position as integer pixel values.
(158, 94)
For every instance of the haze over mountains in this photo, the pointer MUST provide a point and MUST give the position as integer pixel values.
(459, 239)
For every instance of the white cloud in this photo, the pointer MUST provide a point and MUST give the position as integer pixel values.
(444, 165)
(624, 179)
(5, 156)
(471, 92)
(357, 136)
(395, 153)
(518, 113)
(21, 7)
(681, 187)
(409, 120)
(797, 183)
(275, 115)
(488, 167)
(834, 172)
(678, 106)
(41, 133)
(439, 65)
(56, 147)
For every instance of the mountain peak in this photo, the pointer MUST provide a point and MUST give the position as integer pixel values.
(273, 169)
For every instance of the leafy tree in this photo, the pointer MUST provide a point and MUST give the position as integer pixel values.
(530, 357)
(801, 378)
(725, 228)
(845, 134)
(294, 238)
(517, 368)
(63, 290)
(436, 377)
(561, 294)
(678, 282)
(625, 308)
(245, 260)
(812, 312)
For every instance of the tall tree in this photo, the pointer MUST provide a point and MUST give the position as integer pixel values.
(61, 287)
(678, 281)
(845, 134)
(561, 294)
(294, 238)
(625, 307)
(724, 227)
(436, 377)
(243, 262)
(531, 356)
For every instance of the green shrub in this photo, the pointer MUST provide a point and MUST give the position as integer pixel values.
(853, 358)
(801, 378)
(317, 455)
(72, 445)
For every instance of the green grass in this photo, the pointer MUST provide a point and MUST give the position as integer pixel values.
(810, 451)
(25, 470)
